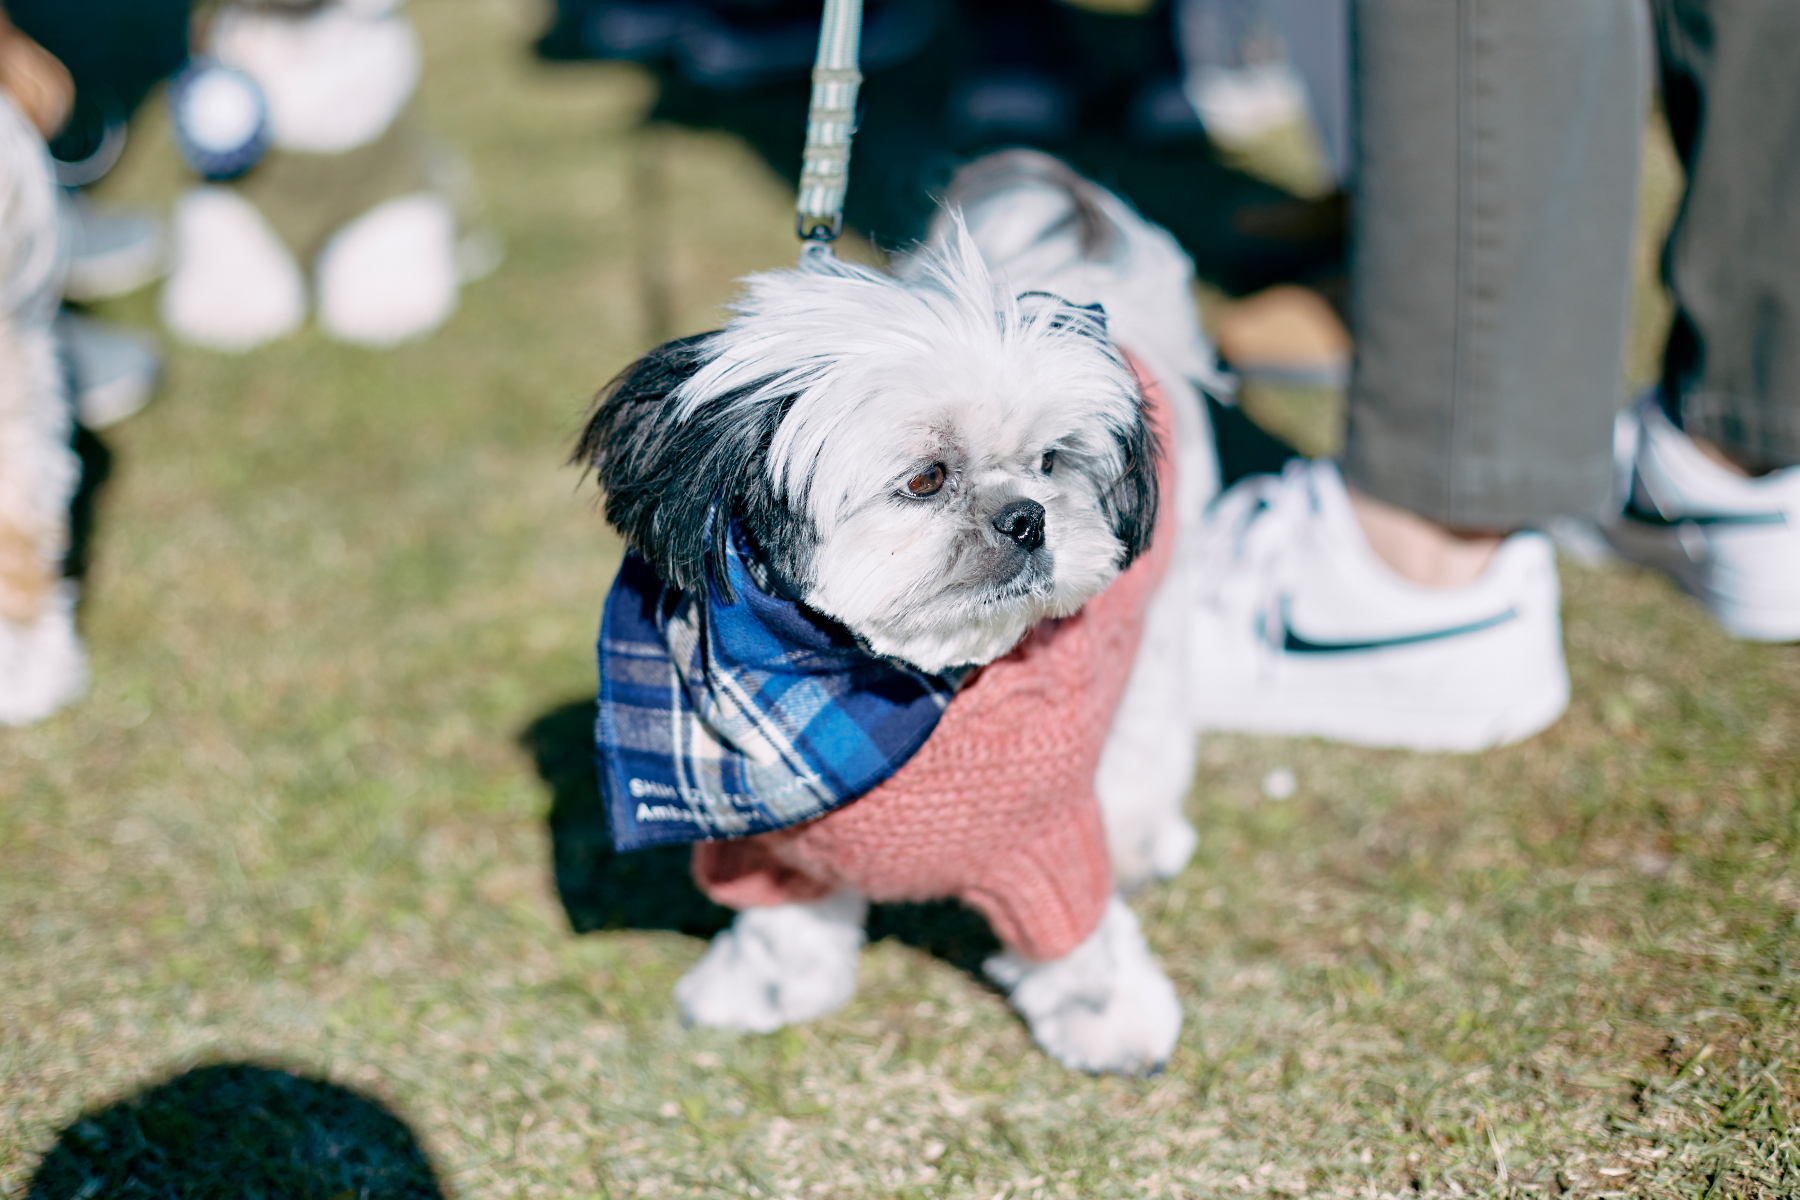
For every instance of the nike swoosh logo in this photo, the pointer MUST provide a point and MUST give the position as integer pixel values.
(1648, 516)
(1294, 643)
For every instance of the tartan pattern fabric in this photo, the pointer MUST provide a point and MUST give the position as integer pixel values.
(722, 720)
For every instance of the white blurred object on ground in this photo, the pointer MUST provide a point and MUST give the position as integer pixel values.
(334, 79)
(235, 285)
(391, 274)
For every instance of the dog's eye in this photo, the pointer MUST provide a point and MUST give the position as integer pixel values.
(927, 482)
(1049, 463)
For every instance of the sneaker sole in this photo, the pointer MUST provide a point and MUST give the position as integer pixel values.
(1419, 727)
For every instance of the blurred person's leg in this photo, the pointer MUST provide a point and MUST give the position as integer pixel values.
(1491, 239)
(1494, 200)
(1714, 483)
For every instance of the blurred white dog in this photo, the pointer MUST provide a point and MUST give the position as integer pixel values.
(41, 662)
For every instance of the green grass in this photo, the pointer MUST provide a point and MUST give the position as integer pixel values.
(299, 822)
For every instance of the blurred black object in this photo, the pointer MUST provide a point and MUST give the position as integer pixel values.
(239, 1130)
(84, 505)
(1101, 91)
(116, 50)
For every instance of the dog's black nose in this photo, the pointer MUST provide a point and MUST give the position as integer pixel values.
(1023, 522)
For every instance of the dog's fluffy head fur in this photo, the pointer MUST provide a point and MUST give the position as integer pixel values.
(928, 459)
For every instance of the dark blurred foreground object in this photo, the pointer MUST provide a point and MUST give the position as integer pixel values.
(116, 51)
(238, 1130)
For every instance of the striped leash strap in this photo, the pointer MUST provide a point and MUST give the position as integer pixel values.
(830, 122)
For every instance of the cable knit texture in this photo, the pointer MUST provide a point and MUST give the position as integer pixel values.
(997, 809)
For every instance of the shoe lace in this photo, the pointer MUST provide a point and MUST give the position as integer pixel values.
(1247, 527)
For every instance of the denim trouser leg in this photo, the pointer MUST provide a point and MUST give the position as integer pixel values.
(1496, 189)
(1731, 84)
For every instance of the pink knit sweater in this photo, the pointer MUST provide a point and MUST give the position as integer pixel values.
(997, 809)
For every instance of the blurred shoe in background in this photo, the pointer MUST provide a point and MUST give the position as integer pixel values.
(111, 251)
(1729, 540)
(112, 371)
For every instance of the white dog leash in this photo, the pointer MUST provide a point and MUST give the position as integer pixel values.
(830, 122)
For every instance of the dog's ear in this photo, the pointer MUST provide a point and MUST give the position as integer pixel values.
(1130, 504)
(663, 471)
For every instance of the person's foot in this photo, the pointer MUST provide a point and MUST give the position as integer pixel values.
(1303, 630)
(113, 371)
(1729, 540)
(112, 251)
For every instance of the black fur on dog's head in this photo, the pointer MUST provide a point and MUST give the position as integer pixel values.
(663, 476)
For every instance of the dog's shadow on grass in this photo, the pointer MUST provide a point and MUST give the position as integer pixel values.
(237, 1129)
(653, 889)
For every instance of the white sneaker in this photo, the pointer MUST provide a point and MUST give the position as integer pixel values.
(1303, 631)
(112, 251)
(113, 370)
(1732, 543)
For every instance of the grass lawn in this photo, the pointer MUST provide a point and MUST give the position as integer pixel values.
(341, 611)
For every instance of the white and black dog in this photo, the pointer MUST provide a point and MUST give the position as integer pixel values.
(938, 460)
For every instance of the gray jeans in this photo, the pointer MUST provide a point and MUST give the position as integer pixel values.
(1496, 191)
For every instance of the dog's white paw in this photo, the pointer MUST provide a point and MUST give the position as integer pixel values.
(1105, 1006)
(778, 966)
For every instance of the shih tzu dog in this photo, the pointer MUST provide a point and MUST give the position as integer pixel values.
(41, 662)
(903, 617)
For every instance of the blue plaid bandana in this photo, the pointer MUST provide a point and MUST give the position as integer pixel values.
(724, 720)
